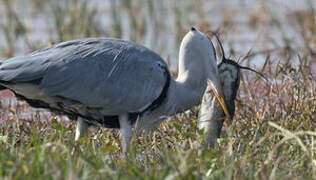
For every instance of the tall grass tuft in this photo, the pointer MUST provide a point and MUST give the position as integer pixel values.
(272, 135)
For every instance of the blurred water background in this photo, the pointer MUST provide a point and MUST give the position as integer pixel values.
(264, 31)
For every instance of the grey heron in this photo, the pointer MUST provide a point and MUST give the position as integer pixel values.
(111, 82)
(211, 115)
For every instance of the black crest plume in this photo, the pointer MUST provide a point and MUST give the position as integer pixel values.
(225, 60)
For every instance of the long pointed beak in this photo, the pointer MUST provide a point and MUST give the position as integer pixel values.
(217, 89)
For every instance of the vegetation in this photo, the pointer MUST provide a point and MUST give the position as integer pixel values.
(273, 135)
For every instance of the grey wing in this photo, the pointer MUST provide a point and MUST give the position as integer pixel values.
(114, 75)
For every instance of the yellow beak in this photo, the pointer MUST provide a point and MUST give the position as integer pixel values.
(219, 94)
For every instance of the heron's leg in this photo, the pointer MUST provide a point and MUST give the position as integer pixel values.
(81, 129)
(126, 131)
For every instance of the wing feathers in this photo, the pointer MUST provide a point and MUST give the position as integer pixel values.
(98, 72)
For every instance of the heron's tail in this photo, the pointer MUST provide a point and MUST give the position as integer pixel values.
(2, 88)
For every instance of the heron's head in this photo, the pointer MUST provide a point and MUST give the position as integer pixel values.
(198, 47)
(198, 51)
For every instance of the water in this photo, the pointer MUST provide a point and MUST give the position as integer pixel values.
(239, 36)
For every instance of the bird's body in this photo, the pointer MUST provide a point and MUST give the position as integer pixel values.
(211, 113)
(111, 82)
(96, 79)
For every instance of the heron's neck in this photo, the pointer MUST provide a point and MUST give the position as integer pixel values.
(187, 90)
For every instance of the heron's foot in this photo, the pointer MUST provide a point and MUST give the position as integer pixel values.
(73, 151)
(81, 129)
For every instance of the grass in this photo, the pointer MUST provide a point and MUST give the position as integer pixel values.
(273, 134)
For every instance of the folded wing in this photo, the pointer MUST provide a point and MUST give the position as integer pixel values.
(115, 75)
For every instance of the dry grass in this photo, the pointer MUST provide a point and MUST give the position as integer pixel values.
(273, 135)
